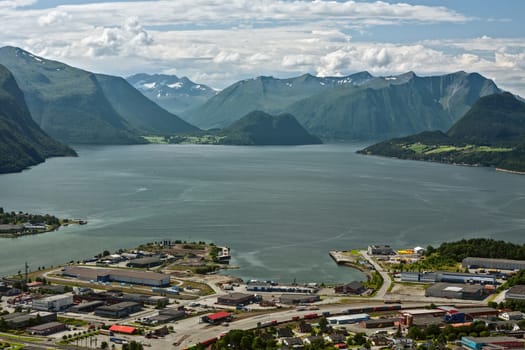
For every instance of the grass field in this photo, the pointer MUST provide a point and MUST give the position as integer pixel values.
(432, 149)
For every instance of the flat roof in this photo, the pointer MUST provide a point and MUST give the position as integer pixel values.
(93, 272)
(422, 311)
(493, 339)
(122, 329)
(219, 315)
(44, 326)
(119, 306)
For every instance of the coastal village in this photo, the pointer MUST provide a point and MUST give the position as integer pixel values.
(167, 294)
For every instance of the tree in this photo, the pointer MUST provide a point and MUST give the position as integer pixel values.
(104, 345)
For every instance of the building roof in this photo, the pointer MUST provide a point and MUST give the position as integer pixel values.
(517, 289)
(219, 315)
(118, 306)
(122, 329)
(88, 273)
(45, 326)
(493, 339)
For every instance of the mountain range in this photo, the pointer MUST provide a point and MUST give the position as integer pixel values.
(358, 106)
(77, 106)
(22, 142)
(491, 133)
(172, 93)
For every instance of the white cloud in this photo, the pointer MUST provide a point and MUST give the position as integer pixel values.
(16, 3)
(53, 17)
(217, 42)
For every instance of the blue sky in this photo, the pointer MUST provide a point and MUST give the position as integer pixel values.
(219, 42)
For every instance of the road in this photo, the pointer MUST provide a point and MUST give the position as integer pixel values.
(387, 281)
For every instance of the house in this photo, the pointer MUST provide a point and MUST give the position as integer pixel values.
(284, 332)
(354, 287)
(335, 338)
(517, 292)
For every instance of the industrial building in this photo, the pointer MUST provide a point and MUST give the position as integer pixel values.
(456, 291)
(168, 315)
(119, 310)
(272, 288)
(89, 306)
(146, 278)
(216, 318)
(54, 303)
(292, 299)
(449, 277)
(516, 292)
(345, 319)
(500, 343)
(487, 263)
(146, 262)
(378, 323)
(380, 250)
(21, 319)
(47, 328)
(233, 299)
(122, 329)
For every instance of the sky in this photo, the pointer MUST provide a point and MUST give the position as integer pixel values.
(218, 42)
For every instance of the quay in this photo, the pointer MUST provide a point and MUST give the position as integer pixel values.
(343, 257)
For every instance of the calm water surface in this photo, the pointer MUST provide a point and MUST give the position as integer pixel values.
(280, 209)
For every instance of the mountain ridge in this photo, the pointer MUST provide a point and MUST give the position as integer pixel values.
(22, 142)
(70, 104)
(491, 133)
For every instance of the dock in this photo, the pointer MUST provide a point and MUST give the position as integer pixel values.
(343, 257)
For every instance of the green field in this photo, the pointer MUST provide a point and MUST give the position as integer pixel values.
(421, 148)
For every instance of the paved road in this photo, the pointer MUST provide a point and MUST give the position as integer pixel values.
(387, 281)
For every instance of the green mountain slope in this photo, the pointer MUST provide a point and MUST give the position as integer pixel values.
(355, 107)
(391, 106)
(491, 133)
(266, 94)
(260, 128)
(76, 106)
(22, 142)
(140, 112)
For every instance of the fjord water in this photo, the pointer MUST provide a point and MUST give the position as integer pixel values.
(280, 209)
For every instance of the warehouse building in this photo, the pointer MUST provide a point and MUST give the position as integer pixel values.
(378, 323)
(501, 342)
(233, 299)
(294, 299)
(54, 303)
(517, 292)
(487, 263)
(21, 319)
(146, 278)
(448, 277)
(168, 315)
(47, 328)
(146, 262)
(119, 310)
(456, 291)
(89, 306)
(354, 287)
(380, 250)
(346, 319)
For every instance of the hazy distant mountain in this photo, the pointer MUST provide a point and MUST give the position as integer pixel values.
(356, 107)
(71, 104)
(259, 128)
(266, 94)
(172, 93)
(491, 133)
(22, 142)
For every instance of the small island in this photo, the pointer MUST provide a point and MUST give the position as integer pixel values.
(16, 224)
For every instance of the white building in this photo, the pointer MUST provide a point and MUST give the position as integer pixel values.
(53, 303)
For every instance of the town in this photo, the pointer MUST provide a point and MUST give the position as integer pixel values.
(167, 295)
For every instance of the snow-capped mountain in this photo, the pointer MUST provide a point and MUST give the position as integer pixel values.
(171, 92)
